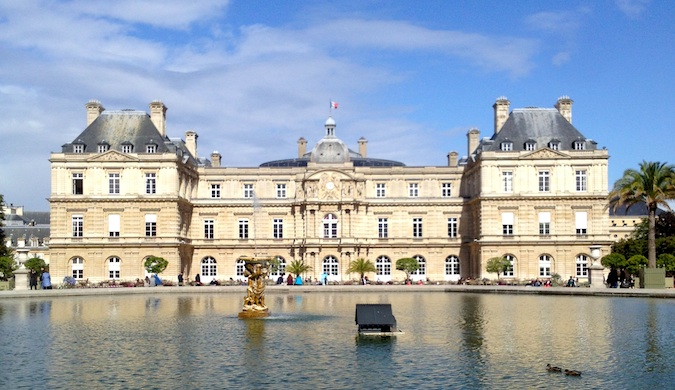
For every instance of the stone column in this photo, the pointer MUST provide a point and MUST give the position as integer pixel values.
(596, 270)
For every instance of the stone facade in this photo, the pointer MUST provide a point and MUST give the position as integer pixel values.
(122, 191)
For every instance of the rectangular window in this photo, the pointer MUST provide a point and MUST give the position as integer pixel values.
(582, 266)
(544, 181)
(243, 229)
(127, 148)
(113, 183)
(530, 146)
(417, 227)
(114, 268)
(78, 184)
(150, 183)
(248, 191)
(78, 268)
(507, 146)
(544, 223)
(78, 225)
(579, 145)
(114, 225)
(452, 227)
(581, 222)
(580, 179)
(208, 229)
(78, 148)
(281, 190)
(215, 190)
(103, 148)
(150, 148)
(382, 228)
(446, 190)
(150, 225)
(507, 181)
(413, 190)
(507, 224)
(380, 190)
(278, 228)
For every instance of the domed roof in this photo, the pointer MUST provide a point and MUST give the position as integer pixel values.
(330, 150)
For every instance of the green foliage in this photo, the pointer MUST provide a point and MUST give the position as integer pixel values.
(7, 267)
(497, 265)
(614, 260)
(630, 247)
(665, 227)
(634, 263)
(361, 266)
(298, 267)
(155, 265)
(665, 245)
(407, 265)
(667, 261)
(274, 265)
(35, 264)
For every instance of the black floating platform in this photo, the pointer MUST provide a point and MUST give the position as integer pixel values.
(376, 319)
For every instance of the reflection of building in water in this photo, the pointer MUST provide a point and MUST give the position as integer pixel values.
(534, 191)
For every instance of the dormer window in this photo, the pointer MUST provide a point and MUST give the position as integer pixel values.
(554, 145)
(103, 147)
(579, 145)
(151, 148)
(78, 148)
(127, 148)
(506, 146)
(530, 144)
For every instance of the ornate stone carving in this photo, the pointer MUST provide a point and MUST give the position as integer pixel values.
(254, 304)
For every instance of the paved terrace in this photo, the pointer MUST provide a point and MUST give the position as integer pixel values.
(275, 289)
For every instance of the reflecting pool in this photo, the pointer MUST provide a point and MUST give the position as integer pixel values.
(451, 340)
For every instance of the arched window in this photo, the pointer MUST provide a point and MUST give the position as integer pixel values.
(330, 267)
(209, 267)
(582, 266)
(383, 266)
(508, 273)
(239, 268)
(114, 268)
(280, 267)
(421, 272)
(330, 226)
(545, 266)
(452, 268)
(78, 268)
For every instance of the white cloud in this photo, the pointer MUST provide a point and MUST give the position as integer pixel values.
(632, 8)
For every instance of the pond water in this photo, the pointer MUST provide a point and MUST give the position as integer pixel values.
(451, 340)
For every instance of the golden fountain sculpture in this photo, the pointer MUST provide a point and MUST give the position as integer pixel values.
(256, 270)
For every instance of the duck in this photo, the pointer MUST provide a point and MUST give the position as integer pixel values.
(572, 373)
(551, 368)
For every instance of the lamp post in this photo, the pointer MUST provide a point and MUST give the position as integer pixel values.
(596, 269)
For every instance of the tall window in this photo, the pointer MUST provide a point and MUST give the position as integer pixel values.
(380, 190)
(209, 267)
(330, 226)
(78, 184)
(278, 228)
(243, 229)
(544, 181)
(215, 190)
(114, 225)
(280, 267)
(113, 183)
(446, 190)
(413, 190)
(114, 268)
(78, 225)
(452, 266)
(248, 191)
(417, 227)
(507, 224)
(330, 266)
(150, 225)
(281, 190)
(239, 268)
(580, 179)
(508, 273)
(150, 183)
(544, 223)
(78, 268)
(422, 270)
(209, 225)
(581, 222)
(383, 266)
(452, 227)
(507, 181)
(545, 266)
(382, 228)
(582, 266)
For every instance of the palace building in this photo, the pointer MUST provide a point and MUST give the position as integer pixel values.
(534, 191)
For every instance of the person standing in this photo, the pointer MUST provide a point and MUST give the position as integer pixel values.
(33, 279)
(46, 280)
(180, 279)
(198, 280)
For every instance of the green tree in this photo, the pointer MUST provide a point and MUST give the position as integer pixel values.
(652, 184)
(7, 267)
(634, 263)
(298, 267)
(665, 227)
(407, 265)
(667, 261)
(35, 264)
(361, 266)
(629, 247)
(497, 265)
(614, 260)
(665, 245)
(155, 265)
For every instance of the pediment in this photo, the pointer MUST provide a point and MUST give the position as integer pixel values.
(112, 155)
(545, 153)
(331, 174)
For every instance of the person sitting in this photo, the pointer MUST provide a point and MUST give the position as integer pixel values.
(570, 282)
(198, 280)
(214, 282)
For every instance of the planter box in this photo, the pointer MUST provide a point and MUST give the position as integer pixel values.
(7, 285)
(653, 278)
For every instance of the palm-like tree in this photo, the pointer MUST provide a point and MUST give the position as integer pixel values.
(298, 267)
(361, 266)
(653, 184)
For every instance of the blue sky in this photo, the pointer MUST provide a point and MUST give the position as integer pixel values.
(251, 77)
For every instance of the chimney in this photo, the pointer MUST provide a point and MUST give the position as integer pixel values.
(452, 159)
(362, 146)
(473, 136)
(191, 142)
(94, 109)
(215, 159)
(501, 108)
(302, 147)
(158, 116)
(564, 107)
